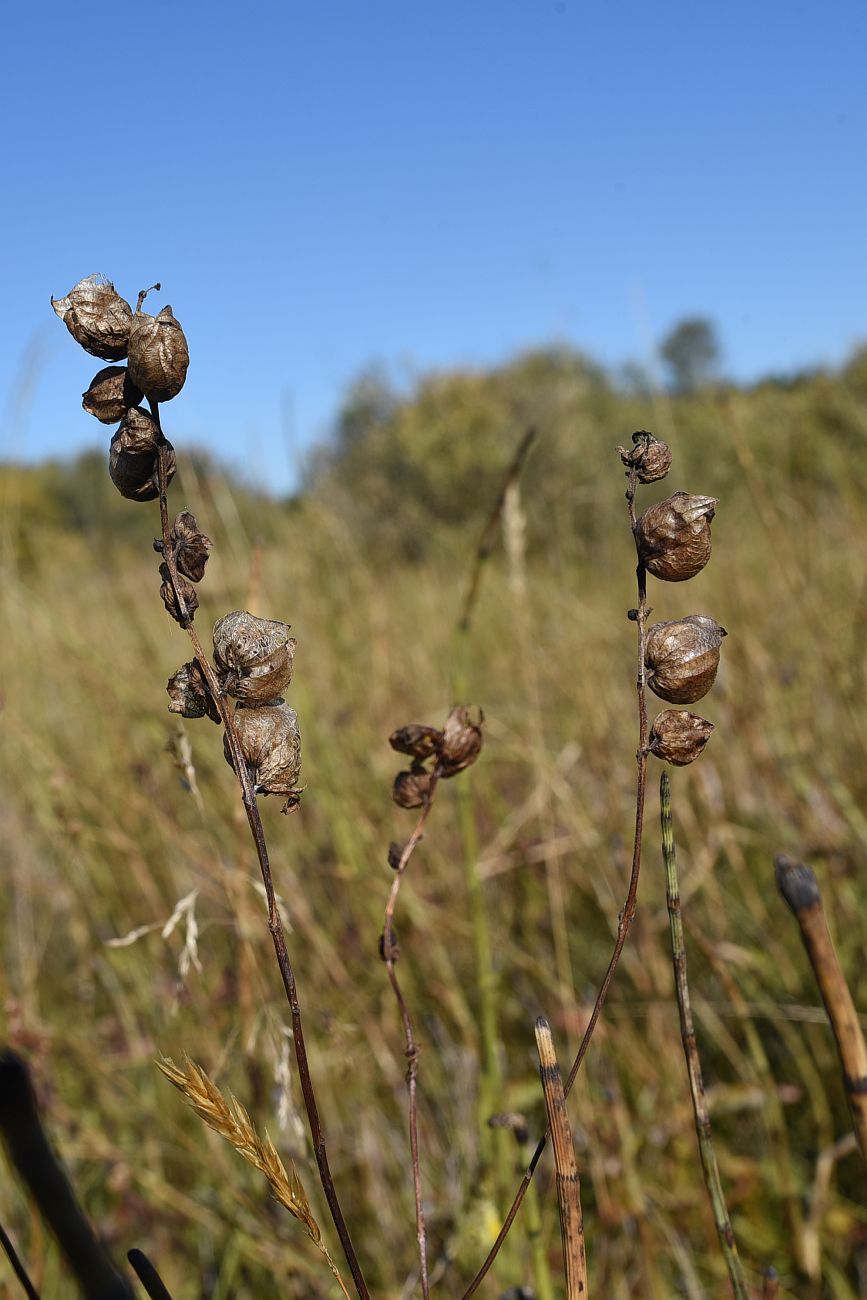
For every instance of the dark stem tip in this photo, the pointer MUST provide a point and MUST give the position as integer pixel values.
(796, 883)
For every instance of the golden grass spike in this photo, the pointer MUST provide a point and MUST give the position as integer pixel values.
(230, 1120)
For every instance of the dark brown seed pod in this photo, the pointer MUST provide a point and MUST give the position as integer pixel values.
(679, 738)
(253, 656)
(158, 355)
(110, 395)
(132, 459)
(169, 598)
(271, 745)
(462, 741)
(190, 546)
(97, 317)
(189, 695)
(416, 740)
(649, 457)
(674, 536)
(412, 789)
(682, 657)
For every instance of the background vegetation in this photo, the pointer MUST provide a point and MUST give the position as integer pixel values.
(102, 836)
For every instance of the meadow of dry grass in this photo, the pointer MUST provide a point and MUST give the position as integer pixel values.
(102, 837)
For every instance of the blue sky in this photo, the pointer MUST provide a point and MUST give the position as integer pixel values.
(422, 184)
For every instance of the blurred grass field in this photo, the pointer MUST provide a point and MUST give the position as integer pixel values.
(102, 837)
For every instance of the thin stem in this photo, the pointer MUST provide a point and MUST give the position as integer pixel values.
(709, 1165)
(627, 913)
(390, 954)
(17, 1267)
(568, 1181)
(275, 923)
(148, 1275)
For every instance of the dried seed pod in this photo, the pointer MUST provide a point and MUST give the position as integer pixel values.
(189, 694)
(271, 745)
(649, 457)
(682, 657)
(412, 789)
(421, 742)
(462, 741)
(97, 317)
(110, 395)
(190, 546)
(679, 738)
(132, 460)
(158, 355)
(674, 536)
(253, 656)
(169, 598)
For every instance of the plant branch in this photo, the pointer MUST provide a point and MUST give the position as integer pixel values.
(390, 955)
(710, 1168)
(275, 923)
(624, 922)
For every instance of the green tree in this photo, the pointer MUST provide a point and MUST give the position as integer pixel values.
(691, 351)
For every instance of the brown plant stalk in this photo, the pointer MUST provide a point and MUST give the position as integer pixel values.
(390, 955)
(627, 913)
(568, 1181)
(275, 923)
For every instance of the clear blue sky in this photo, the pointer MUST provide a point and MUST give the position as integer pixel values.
(422, 183)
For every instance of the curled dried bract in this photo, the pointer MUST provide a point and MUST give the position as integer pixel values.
(649, 457)
(110, 395)
(271, 745)
(158, 355)
(253, 656)
(462, 741)
(674, 536)
(190, 546)
(96, 317)
(169, 597)
(132, 460)
(682, 658)
(189, 694)
(418, 741)
(412, 789)
(679, 738)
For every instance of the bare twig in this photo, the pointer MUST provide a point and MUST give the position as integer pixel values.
(800, 889)
(770, 1284)
(709, 1165)
(17, 1267)
(568, 1181)
(624, 922)
(275, 923)
(147, 1275)
(389, 956)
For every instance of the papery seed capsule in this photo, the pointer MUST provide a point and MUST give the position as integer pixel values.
(271, 745)
(253, 656)
(679, 738)
(96, 317)
(169, 596)
(132, 460)
(682, 658)
(411, 789)
(110, 395)
(190, 546)
(650, 457)
(674, 536)
(189, 694)
(462, 741)
(158, 355)
(421, 742)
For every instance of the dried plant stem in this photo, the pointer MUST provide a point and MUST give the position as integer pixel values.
(17, 1267)
(390, 953)
(770, 1285)
(800, 889)
(275, 923)
(627, 913)
(709, 1165)
(568, 1181)
(148, 1275)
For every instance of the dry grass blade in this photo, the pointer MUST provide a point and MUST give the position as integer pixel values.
(568, 1182)
(231, 1121)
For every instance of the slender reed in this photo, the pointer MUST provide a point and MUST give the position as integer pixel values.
(568, 1181)
(710, 1168)
(17, 1267)
(148, 1275)
(800, 889)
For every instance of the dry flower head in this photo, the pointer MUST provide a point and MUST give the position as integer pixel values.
(96, 317)
(682, 657)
